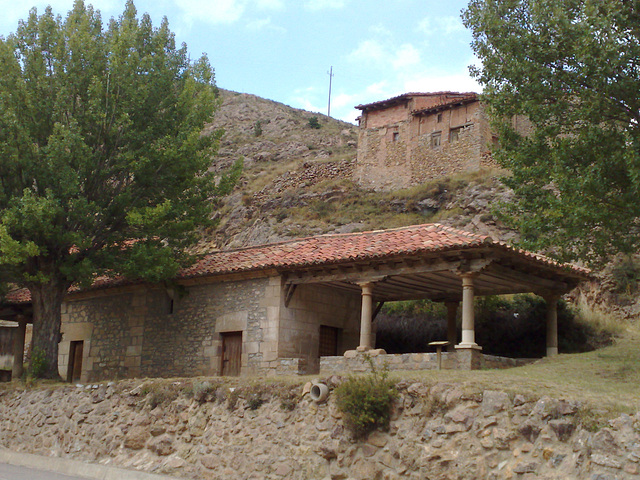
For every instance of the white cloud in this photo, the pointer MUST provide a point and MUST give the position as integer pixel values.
(441, 25)
(380, 30)
(315, 5)
(432, 82)
(223, 11)
(369, 51)
(263, 24)
(270, 4)
(220, 11)
(406, 56)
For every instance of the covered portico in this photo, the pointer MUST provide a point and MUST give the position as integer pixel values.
(443, 265)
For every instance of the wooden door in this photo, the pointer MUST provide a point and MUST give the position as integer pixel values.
(328, 341)
(75, 361)
(231, 353)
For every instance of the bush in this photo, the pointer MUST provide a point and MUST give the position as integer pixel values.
(257, 128)
(314, 123)
(38, 364)
(626, 275)
(510, 326)
(366, 402)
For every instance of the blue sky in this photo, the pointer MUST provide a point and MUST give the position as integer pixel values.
(283, 49)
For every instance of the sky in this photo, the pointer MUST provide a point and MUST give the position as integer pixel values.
(283, 50)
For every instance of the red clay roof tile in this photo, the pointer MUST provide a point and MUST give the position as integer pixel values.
(335, 249)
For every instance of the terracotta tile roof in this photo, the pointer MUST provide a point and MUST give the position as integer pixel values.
(466, 98)
(339, 248)
(404, 96)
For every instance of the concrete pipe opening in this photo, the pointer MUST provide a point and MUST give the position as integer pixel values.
(319, 392)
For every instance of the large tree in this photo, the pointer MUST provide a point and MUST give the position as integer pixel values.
(573, 68)
(103, 163)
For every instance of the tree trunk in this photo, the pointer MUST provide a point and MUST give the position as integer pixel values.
(47, 314)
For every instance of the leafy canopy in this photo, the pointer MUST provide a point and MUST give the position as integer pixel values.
(103, 160)
(572, 68)
(101, 144)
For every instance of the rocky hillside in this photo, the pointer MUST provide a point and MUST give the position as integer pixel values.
(298, 181)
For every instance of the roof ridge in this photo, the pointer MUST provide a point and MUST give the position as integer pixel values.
(435, 225)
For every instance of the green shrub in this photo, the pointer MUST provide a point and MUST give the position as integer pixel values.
(510, 326)
(257, 128)
(38, 363)
(203, 391)
(314, 123)
(626, 275)
(255, 401)
(366, 402)
(160, 394)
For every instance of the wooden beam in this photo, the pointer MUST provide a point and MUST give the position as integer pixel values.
(289, 290)
(379, 271)
(532, 281)
(377, 310)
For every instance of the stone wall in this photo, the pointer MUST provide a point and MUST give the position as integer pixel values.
(458, 360)
(310, 307)
(397, 149)
(437, 431)
(142, 332)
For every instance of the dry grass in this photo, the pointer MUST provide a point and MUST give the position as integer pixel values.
(607, 380)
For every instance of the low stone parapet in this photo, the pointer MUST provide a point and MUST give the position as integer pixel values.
(458, 360)
(286, 366)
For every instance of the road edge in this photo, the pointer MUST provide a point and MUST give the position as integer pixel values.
(67, 466)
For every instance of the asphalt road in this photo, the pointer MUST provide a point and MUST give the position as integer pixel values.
(11, 472)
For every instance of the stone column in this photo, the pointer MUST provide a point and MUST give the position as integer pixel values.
(552, 325)
(468, 329)
(452, 332)
(18, 348)
(365, 316)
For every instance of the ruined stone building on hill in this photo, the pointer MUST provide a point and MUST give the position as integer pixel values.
(415, 137)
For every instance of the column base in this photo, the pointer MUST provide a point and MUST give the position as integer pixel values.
(468, 357)
(465, 346)
(552, 351)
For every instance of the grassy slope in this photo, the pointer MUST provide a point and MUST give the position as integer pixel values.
(605, 380)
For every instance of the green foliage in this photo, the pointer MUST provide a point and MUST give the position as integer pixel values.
(257, 128)
(104, 165)
(203, 391)
(366, 401)
(314, 123)
(626, 275)
(38, 364)
(255, 401)
(571, 68)
(511, 326)
(160, 393)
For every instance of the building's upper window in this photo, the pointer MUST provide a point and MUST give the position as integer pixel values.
(436, 138)
(396, 136)
(439, 118)
(454, 135)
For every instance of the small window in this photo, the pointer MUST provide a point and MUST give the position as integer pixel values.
(454, 135)
(396, 135)
(439, 118)
(436, 138)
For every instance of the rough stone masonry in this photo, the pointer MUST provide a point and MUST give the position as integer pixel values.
(200, 429)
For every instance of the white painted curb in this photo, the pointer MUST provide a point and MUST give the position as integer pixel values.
(75, 467)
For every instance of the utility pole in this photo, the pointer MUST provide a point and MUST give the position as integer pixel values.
(330, 73)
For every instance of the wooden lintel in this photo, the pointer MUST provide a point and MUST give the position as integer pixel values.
(382, 270)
